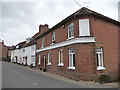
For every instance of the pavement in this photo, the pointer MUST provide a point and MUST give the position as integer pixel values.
(15, 76)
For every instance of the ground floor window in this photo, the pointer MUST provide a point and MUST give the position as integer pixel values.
(60, 58)
(71, 58)
(33, 58)
(49, 58)
(100, 63)
(39, 59)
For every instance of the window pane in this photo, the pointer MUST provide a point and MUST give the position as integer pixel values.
(70, 60)
(97, 60)
(84, 28)
(73, 59)
(61, 56)
(100, 59)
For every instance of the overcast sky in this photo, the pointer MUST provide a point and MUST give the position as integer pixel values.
(21, 20)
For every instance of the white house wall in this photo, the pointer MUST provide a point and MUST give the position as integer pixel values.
(29, 51)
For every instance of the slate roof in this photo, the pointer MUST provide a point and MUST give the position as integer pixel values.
(83, 12)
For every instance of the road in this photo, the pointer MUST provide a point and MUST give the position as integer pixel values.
(15, 76)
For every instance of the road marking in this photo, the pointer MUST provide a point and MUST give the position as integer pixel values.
(35, 84)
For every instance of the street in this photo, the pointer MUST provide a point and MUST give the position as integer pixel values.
(15, 76)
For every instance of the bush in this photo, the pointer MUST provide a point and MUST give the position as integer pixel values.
(31, 65)
(40, 68)
(44, 69)
(104, 78)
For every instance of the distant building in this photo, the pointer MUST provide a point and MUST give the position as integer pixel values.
(82, 46)
(25, 52)
(3, 51)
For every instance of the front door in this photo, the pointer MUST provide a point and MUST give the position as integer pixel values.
(44, 61)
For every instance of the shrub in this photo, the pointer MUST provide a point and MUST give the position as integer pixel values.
(40, 68)
(44, 69)
(31, 65)
(104, 78)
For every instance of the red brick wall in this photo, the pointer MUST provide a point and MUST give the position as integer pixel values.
(84, 56)
(3, 50)
(107, 35)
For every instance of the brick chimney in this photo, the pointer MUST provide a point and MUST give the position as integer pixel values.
(43, 28)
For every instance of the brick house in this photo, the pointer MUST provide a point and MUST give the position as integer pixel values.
(82, 46)
(3, 51)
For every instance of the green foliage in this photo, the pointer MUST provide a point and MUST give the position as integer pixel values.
(104, 79)
(44, 69)
(40, 68)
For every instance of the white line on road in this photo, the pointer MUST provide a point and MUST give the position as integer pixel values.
(35, 84)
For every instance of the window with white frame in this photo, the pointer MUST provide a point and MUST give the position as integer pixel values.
(39, 58)
(42, 42)
(70, 31)
(100, 65)
(84, 27)
(33, 47)
(23, 50)
(71, 58)
(60, 58)
(49, 58)
(53, 37)
(32, 58)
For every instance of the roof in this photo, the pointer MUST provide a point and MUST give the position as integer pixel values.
(24, 44)
(33, 41)
(83, 12)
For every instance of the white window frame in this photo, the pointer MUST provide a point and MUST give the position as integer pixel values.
(33, 47)
(39, 59)
(84, 27)
(71, 67)
(71, 30)
(42, 43)
(32, 57)
(59, 63)
(49, 58)
(53, 37)
(99, 52)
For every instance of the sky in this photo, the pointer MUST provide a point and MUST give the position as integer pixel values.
(20, 19)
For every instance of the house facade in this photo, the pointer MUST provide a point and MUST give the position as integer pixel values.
(25, 52)
(3, 51)
(80, 47)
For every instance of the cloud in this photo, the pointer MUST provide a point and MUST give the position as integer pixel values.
(21, 20)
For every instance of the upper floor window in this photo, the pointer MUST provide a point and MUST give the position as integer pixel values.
(42, 42)
(100, 65)
(53, 37)
(33, 47)
(49, 58)
(60, 58)
(23, 50)
(70, 31)
(71, 58)
(84, 27)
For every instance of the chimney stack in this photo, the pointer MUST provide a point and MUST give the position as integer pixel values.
(43, 28)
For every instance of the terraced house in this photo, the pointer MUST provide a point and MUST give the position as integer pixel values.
(25, 52)
(81, 46)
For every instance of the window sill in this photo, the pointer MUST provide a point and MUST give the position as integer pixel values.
(60, 64)
(52, 43)
(38, 63)
(49, 64)
(70, 38)
(73, 68)
(100, 68)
